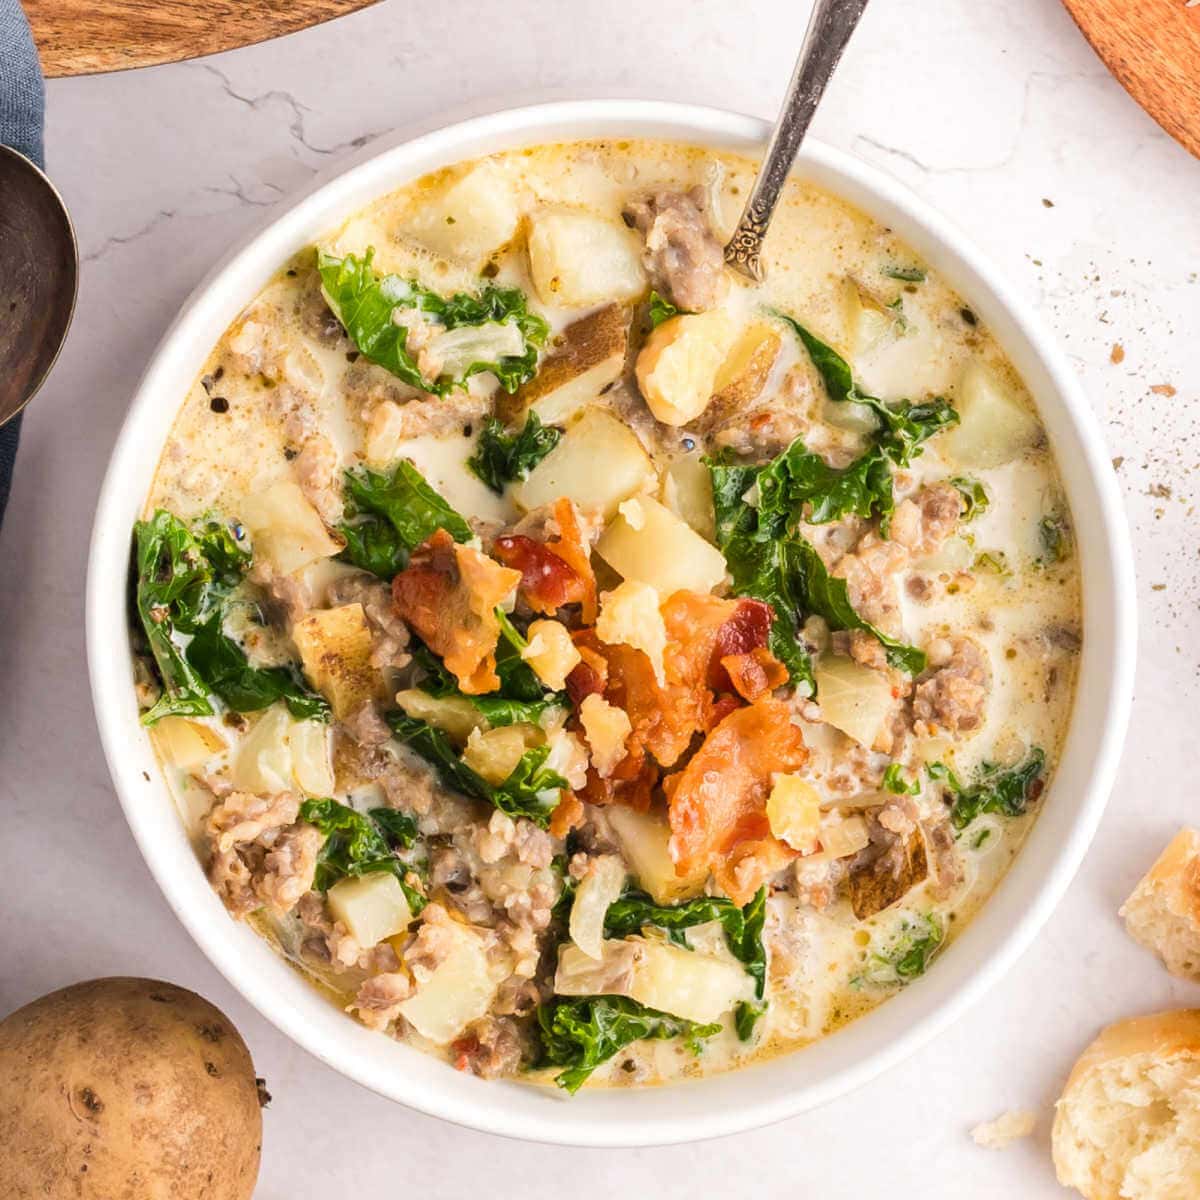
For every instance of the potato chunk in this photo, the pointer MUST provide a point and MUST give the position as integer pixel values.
(372, 907)
(697, 987)
(475, 216)
(286, 530)
(551, 652)
(993, 426)
(597, 463)
(606, 728)
(283, 755)
(644, 838)
(187, 743)
(747, 367)
(687, 492)
(335, 648)
(460, 990)
(794, 812)
(853, 698)
(590, 357)
(496, 753)
(576, 258)
(678, 367)
(649, 543)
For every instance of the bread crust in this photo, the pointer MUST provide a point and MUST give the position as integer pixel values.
(1169, 892)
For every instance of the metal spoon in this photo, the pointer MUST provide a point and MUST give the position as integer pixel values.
(39, 276)
(829, 29)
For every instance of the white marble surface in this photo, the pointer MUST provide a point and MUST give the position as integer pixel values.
(993, 112)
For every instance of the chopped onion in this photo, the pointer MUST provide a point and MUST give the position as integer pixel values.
(598, 889)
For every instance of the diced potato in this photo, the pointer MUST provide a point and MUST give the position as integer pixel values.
(994, 427)
(597, 890)
(280, 754)
(475, 216)
(853, 698)
(457, 349)
(597, 463)
(495, 754)
(630, 615)
(551, 652)
(841, 839)
(678, 367)
(187, 743)
(263, 762)
(576, 258)
(868, 320)
(568, 757)
(372, 907)
(590, 357)
(651, 544)
(747, 367)
(286, 530)
(460, 990)
(794, 812)
(610, 973)
(606, 727)
(455, 714)
(312, 765)
(385, 432)
(644, 839)
(697, 987)
(335, 648)
(687, 492)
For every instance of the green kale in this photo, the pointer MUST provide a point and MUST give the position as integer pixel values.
(660, 310)
(222, 664)
(1055, 534)
(501, 457)
(905, 274)
(518, 680)
(894, 781)
(496, 708)
(532, 790)
(497, 332)
(975, 497)
(1007, 791)
(357, 845)
(390, 514)
(579, 1033)
(906, 957)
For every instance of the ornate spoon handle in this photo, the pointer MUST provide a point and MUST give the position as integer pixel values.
(829, 29)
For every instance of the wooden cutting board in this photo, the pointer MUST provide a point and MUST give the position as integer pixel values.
(1153, 48)
(81, 37)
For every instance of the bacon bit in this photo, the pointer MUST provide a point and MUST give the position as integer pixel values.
(590, 676)
(556, 573)
(717, 803)
(448, 593)
(631, 784)
(755, 674)
(567, 815)
(719, 710)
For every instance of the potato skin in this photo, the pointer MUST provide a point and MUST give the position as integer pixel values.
(126, 1089)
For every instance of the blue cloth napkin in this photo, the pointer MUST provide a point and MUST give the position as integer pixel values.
(22, 109)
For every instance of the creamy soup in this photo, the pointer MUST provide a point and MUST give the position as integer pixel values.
(585, 665)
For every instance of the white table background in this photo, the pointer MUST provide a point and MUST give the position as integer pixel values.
(988, 111)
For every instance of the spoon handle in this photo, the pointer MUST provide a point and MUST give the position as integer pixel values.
(829, 29)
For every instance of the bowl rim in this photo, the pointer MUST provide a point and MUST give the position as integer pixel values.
(753, 1096)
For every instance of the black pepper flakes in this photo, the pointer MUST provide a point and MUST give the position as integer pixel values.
(219, 404)
(352, 356)
(968, 316)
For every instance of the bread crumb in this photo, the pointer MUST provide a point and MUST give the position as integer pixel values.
(1162, 389)
(1007, 1128)
(1118, 353)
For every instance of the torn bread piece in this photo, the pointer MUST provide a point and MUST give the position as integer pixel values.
(1002, 1131)
(1127, 1126)
(1163, 913)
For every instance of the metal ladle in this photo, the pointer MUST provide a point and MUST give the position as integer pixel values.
(39, 276)
(829, 29)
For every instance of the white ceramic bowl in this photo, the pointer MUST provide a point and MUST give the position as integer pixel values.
(769, 1091)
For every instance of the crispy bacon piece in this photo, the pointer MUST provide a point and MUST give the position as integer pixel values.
(589, 676)
(567, 814)
(754, 674)
(553, 573)
(704, 630)
(717, 803)
(448, 593)
(632, 783)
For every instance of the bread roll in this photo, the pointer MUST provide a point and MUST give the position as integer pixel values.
(1163, 913)
(1127, 1125)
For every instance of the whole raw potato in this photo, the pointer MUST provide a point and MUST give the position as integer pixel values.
(126, 1089)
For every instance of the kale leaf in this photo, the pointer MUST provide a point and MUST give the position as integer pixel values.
(497, 332)
(532, 790)
(518, 680)
(905, 274)
(660, 310)
(894, 781)
(222, 664)
(391, 513)
(496, 708)
(996, 789)
(579, 1033)
(1055, 534)
(357, 845)
(907, 956)
(975, 497)
(501, 457)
